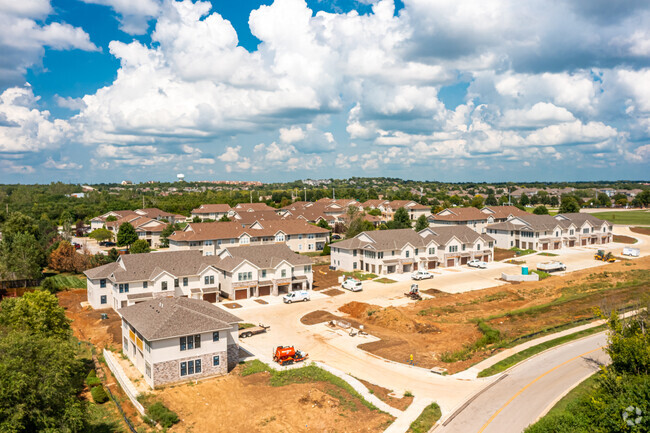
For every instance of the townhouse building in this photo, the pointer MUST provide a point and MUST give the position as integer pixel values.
(385, 252)
(152, 213)
(236, 273)
(210, 238)
(476, 219)
(212, 211)
(171, 340)
(388, 208)
(545, 232)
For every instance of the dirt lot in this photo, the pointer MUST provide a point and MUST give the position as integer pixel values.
(502, 254)
(624, 239)
(641, 230)
(447, 324)
(324, 277)
(385, 395)
(236, 404)
(87, 324)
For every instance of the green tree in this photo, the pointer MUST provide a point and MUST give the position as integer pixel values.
(111, 218)
(167, 232)
(491, 200)
(20, 257)
(224, 218)
(603, 200)
(112, 256)
(400, 220)
(19, 223)
(101, 235)
(126, 235)
(37, 312)
(323, 224)
(540, 210)
(421, 223)
(374, 212)
(40, 377)
(569, 205)
(477, 202)
(140, 246)
(524, 200)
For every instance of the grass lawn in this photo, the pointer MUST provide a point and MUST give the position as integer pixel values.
(63, 281)
(311, 254)
(551, 212)
(426, 420)
(534, 350)
(632, 217)
(360, 275)
(550, 254)
(520, 252)
(385, 280)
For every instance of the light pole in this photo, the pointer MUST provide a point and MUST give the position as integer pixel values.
(305, 193)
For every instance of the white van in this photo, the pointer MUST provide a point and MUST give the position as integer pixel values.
(352, 284)
(300, 295)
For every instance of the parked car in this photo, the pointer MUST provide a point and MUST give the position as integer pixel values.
(352, 284)
(476, 263)
(76, 246)
(107, 244)
(421, 275)
(336, 237)
(299, 295)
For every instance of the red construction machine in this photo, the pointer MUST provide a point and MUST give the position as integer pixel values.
(284, 355)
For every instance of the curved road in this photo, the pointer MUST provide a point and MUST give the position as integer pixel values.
(528, 389)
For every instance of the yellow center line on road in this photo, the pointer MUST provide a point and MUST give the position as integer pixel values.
(530, 384)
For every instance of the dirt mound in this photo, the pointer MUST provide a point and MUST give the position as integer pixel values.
(318, 316)
(333, 292)
(358, 309)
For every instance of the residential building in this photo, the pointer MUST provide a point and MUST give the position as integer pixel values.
(171, 340)
(545, 232)
(212, 211)
(151, 213)
(262, 270)
(252, 207)
(476, 219)
(385, 252)
(210, 238)
(236, 273)
(388, 208)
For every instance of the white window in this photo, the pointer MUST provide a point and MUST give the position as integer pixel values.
(284, 273)
(307, 269)
(432, 250)
(310, 247)
(453, 248)
(279, 237)
(310, 236)
(244, 240)
(207, 243)
(478, 247)
(300, 247)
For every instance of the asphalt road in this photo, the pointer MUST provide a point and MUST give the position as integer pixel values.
(518, 400)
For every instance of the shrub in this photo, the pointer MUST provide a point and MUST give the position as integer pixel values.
(48, 285)
(99, 395)
(163, 416)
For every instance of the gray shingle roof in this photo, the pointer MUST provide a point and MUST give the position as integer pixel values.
(534, 222)
(262, 256)
(384, 240)
(171, 317)
(579, 219)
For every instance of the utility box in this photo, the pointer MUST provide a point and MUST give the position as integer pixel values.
(524, 270)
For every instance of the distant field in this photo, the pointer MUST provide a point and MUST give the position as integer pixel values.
(551, 211)
(632, 217)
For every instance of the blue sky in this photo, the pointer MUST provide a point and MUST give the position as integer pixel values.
(106, 90)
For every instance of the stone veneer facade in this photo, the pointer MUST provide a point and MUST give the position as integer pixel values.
(168, 372)
(233, 356)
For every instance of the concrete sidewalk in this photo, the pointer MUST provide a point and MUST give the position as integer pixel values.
(403, 422)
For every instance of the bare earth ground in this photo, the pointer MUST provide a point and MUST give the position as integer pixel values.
(624, 239)
(502, 254)
(333, 292)
(236, 404)
(384, 395)
(447, 323)
(325, 278)
(87, 324)
(641, 230)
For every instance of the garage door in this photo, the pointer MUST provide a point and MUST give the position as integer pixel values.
(450, 262)
(210, 297)
(241, 294)
(432, 264)
(265, 291)
(486, 258)
(464, 260)
(545, 246)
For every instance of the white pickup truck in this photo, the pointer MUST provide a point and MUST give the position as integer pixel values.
(551, 266)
